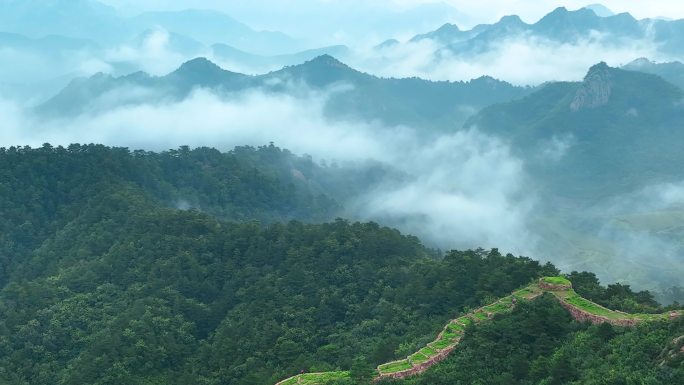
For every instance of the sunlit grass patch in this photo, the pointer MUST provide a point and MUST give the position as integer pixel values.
(497, 308)
(428, 351)
(418, 358)
(455, 328)
(557, 281)
(393, 367)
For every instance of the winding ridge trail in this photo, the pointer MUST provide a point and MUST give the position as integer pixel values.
(580, 308)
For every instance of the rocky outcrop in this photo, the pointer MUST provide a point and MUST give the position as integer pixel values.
(672, 352)
(595, 90)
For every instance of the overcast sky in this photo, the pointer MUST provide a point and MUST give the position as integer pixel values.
(353, 22)
(471, 12)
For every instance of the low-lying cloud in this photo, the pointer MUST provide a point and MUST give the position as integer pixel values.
(466, 191)
(519, 59)
(645, 229)
(462, 189)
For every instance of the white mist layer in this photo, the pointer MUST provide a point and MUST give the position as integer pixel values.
(463, 189)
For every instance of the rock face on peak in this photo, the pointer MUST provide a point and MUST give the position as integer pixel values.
(595, 90)
(619, 128)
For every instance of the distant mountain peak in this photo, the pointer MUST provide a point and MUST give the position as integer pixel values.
(327, 61)
(445, 34)
(595, 90)
(640, 62)
(601, 66)
(448, 27)
(559, 11)
(511, 19)
(600, 10)
(201, 71)
(387, 44)
(562, 13)
(200, 64)
(199, 61)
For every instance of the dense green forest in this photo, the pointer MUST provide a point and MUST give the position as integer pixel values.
(108, 279)
(44, 190)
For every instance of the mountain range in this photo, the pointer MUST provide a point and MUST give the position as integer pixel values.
(602, 152)
(90, 19)
(43, 39)
(629, 120)
(422, 103)
(585, 145)
(617, 106)
(235, 58)
(673, 71)
(184, 246)
(562, 26)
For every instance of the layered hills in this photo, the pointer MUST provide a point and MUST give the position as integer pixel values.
(590, 149)
(601, 152)
(560, 26)
(108, 277)
(352, 94)
(624, 124)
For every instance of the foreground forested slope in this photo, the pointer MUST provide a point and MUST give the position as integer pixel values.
(110, 277)
(107, 281)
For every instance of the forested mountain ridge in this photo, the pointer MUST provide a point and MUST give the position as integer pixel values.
(591, 148)
(44, 189)
(410, 101)
(561, 26)
(623, 123)
(107, 278)
(105, 282)
(672, 71)
(468, 206)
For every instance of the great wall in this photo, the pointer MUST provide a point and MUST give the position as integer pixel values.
(448, 339)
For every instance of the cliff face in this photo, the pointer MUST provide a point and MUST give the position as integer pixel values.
(595, 90)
